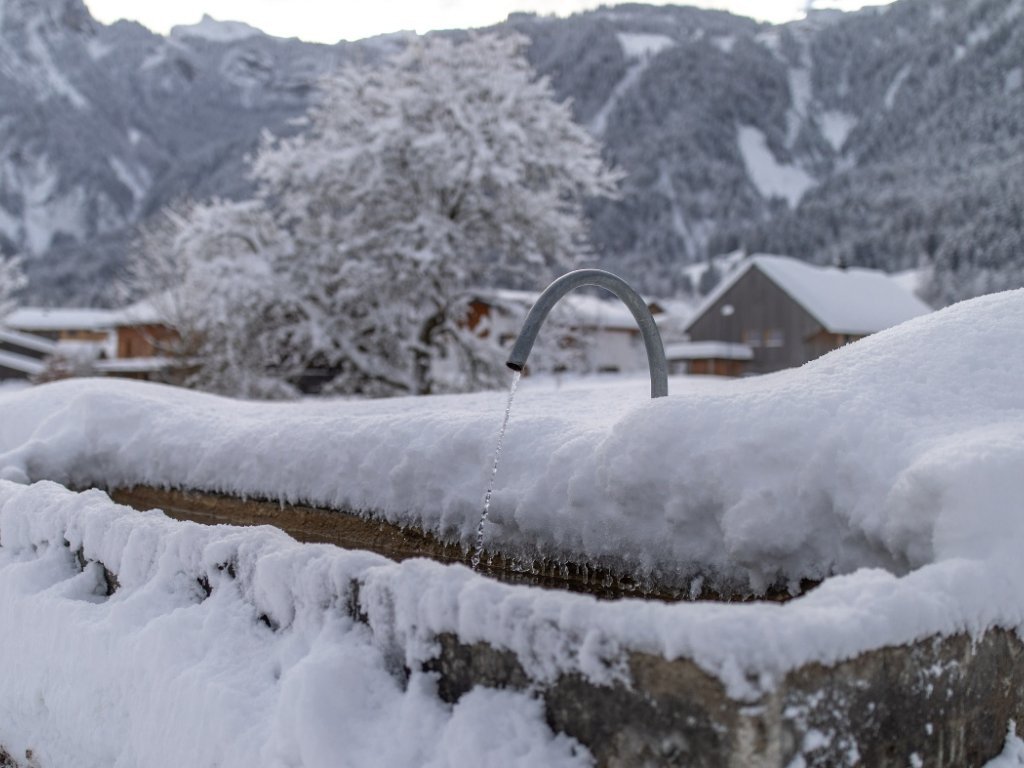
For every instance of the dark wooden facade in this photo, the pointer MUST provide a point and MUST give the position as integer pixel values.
(716, 366)
(780, 332)
(151, 340)
(823, 341)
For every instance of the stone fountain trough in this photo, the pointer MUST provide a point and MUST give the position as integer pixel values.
(940, 700)
(815, 568)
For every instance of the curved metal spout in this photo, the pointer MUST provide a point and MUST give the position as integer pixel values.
(610, 282)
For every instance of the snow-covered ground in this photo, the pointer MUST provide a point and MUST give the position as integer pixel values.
(767, 174)
(1013, 753)
(893, 463)
(13, 385)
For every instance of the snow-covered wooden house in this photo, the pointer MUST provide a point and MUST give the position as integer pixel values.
(787, 312)
(129, 342)
(143, 333)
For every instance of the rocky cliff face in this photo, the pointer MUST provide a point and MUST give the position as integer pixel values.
(888, 137)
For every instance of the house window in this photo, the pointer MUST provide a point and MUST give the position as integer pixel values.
(752, 337)
(774, 337)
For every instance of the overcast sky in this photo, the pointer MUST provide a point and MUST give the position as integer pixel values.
(328, 21)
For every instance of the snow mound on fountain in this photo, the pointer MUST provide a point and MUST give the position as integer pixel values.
(899, 450)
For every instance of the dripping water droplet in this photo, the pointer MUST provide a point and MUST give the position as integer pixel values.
(475, 562)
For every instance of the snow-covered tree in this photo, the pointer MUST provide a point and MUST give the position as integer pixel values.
(448, 168)
(418, 181)
(11, 280)
(208, 268)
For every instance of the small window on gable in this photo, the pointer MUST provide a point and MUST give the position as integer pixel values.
(774, 337)
(752, 337)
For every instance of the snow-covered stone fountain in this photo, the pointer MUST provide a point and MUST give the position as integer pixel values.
(887, 472)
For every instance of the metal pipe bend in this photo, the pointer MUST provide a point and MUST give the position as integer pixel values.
(597, 277)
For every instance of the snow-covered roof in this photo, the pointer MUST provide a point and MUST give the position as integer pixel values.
(675, 308)
(144, 312)
(15, 362)
(27, 341)
(852, 301)
(708, 350)
(61, 319)
(912, 280)
(132, 365)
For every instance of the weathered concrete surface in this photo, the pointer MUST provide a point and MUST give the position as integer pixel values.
(945, 700)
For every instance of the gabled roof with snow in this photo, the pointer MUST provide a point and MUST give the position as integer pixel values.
(851, 301)
(148, 311)
(27, 341)
(20, 363)
(60, 319)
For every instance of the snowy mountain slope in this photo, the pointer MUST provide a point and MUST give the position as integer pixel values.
(931, 171)
(886, 137)
(102, 125)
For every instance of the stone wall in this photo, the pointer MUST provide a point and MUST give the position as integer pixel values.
(942, 702)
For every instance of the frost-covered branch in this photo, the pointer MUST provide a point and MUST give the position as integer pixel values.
(12, 279)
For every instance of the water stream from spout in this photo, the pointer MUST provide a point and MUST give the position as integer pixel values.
(478, 553)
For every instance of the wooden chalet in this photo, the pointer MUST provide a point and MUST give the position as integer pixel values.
(144, 342)
(788, 312)
(132, 342)
(63, 323)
